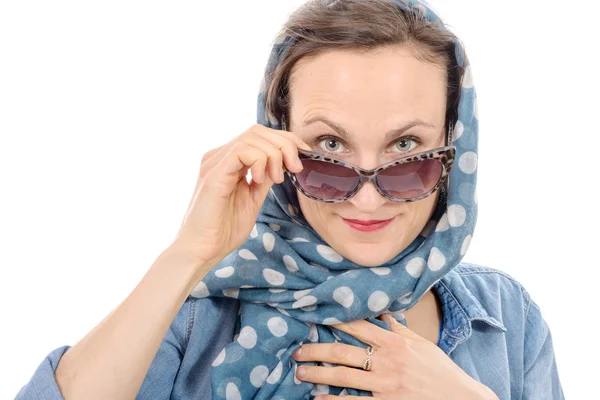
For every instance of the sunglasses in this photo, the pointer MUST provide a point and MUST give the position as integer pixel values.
(407, 179)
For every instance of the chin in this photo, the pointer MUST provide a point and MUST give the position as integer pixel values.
(368, 254)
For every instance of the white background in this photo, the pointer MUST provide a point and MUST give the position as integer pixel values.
(106, 108)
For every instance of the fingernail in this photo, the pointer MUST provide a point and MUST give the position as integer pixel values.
(297, 353)
(301, 372)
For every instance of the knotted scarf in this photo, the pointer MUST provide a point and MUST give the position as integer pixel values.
(292, 286)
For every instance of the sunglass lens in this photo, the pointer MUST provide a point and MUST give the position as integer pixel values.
(410, 180)
(325, 180)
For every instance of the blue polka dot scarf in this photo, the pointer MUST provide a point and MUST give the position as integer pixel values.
(292, 286)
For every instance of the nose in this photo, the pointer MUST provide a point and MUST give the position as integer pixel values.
(368, 199)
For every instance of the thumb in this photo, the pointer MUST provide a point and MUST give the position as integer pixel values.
(259, 191)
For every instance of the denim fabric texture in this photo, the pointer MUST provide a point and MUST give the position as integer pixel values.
(492, 329)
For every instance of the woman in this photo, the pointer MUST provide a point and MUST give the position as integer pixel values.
(335, 270)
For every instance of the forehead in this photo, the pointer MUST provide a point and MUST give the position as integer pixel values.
(382, 84)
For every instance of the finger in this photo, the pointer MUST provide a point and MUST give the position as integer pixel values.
(274, 155)
(332, 397)
(211, 158)
(333, 353)
(340, 376)
(286, 146)
(399, 329)
(366, 332)
(238, 159)
(289, 135)
(258, 191)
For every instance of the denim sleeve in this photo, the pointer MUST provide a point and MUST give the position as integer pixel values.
(159, 379)
(541, 379)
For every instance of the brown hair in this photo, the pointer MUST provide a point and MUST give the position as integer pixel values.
(322, 25)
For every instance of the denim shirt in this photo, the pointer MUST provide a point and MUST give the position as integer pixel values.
(492, 329)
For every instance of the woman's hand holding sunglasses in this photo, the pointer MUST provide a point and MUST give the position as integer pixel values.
(224, 205)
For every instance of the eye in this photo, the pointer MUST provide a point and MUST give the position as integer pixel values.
(404, 144)
(330, 144)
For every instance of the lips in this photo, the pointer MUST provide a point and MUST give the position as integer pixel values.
(367, 222)
(367, 225)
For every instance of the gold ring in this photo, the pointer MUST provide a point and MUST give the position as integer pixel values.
(367, 364)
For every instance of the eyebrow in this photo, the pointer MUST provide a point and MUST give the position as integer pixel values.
(390, 135)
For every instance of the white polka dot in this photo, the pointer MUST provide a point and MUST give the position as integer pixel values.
(273, 304)
(200, 290)
(475, 109)
(293, 211)
(298, 294)
(298, 239)
(276, 290)
(254, 232)
(281, 310)
(343, 393)
(247, 337)
(234, 292)
(320, 388)
(246, 287)
(296, 380)
(305, 301)
(456, 215)
(232, 392)
(436, 259)
(290, 263)
(405, 299)
(459, 128)
(312, 264)
(280, 352)
(219, 358)
(475, 196)
(468, 78)
(398, 315)
(328, 253)
(247, 254)
(331, 321)
(224, 272)
(381, 270)
(276, 374)
(258, 375)
(468, 162)
(378, 300)
(309, 308)
(273, 277)
(313, 334)
(465, 245)
(268, 241)
(275, 227)
(416, 266)
(443, 225)
(277, 326)
(344, 295)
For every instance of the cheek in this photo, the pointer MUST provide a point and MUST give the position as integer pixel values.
(313, 210)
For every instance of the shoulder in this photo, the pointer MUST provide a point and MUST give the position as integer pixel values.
(486, 294)
(493, 286)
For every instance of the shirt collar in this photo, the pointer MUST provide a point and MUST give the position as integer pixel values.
(460, 307)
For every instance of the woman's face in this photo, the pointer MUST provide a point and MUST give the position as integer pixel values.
(345, 103)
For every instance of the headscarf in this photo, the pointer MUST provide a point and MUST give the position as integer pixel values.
(292, 286)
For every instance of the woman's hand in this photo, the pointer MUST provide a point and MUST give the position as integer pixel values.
(404, 366)
(224, 206)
